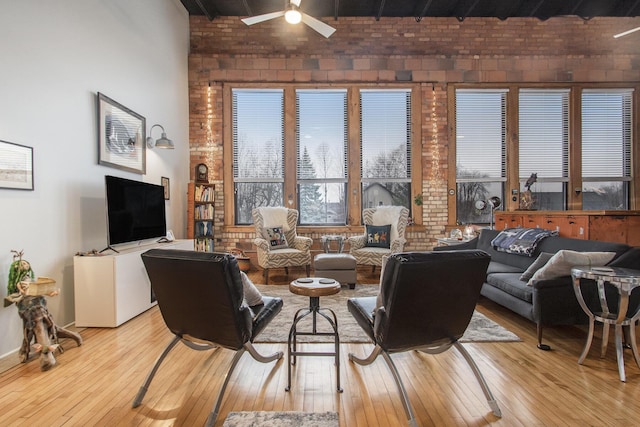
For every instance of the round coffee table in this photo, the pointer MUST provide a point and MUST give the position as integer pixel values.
(314, 288)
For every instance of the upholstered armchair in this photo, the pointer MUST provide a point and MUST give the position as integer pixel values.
(278, 244)
(377, 242)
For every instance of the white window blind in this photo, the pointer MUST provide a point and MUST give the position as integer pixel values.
(322, 133)
(385, 125)
(606, 134)
(258, 135)
(480, 134)
(321, 145)
(544, 133)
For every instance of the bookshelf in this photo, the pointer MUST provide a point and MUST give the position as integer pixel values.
(200, 213)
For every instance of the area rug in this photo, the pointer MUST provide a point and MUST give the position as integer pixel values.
(481, 328)
(281, 419)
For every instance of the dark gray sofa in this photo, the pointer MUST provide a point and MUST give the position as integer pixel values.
(547, 302)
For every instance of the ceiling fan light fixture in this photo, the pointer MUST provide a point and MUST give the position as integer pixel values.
(293, 15)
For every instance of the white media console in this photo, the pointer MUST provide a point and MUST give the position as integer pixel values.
(113, 288)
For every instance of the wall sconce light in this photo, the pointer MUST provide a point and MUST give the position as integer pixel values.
(162, 142)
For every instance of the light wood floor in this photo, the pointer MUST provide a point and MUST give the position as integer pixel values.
(95, 384)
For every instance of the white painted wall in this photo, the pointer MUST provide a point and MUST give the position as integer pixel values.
(55, 57)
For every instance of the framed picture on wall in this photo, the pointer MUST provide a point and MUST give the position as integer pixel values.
(16, 166)
(121, 136)
(165, 183)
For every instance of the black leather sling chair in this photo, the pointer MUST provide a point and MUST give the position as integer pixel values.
(426, 303)
(200, 298)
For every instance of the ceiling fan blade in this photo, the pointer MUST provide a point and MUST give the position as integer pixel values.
(261, 18)
(633, 30)
(319, 26)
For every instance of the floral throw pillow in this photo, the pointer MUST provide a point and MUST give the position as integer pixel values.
(378, 236)
(276, 238)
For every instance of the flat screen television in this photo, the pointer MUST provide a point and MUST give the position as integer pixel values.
(135, 210)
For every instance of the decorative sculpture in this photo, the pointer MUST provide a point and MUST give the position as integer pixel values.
(38, 326)
(527, 201)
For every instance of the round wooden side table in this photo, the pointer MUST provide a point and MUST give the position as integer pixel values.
(314, 288)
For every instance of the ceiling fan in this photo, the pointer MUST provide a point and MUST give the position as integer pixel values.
(293, 15)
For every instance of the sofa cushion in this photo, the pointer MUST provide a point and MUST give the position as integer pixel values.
(511, 284)
(629, 259)
(537, 265)
(498, 267)
(554, 244)
(561, 263)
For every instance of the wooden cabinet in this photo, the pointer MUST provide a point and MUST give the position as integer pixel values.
(200, 215)
(111, 289)
(610, 226)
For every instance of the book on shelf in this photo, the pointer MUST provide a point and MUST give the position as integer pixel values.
(203, 212)
(204, 228)
(204, 245)
(204, 193)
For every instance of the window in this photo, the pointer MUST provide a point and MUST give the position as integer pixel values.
(480, 151)
(258, 150)
(606, 148)
(385, 132)
(544, 145)
(321, 148)
(326, 150)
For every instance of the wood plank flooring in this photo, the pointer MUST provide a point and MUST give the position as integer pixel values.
(95, 384)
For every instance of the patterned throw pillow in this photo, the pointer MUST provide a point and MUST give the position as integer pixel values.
(378, 236)
(276, 238)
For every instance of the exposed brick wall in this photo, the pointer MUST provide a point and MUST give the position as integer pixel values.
(435, 52)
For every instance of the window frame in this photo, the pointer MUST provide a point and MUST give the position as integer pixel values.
(574, 198)
(354, 208)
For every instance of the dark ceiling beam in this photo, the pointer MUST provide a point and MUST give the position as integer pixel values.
(535, 9)
(380, 9)
(631, 9)
(514, 10)
(576, 7)
(204, 10)
(424, 11)
(335, 10)
(468, 11)
(247, 8)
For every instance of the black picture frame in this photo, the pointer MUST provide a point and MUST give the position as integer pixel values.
(16, 166)
(121, 136)
(165, 183)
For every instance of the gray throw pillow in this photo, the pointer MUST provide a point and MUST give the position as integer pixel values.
(563, 261)
(251, 294)
(536, 265)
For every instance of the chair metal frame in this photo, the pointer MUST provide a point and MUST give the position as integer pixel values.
(213, 415)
